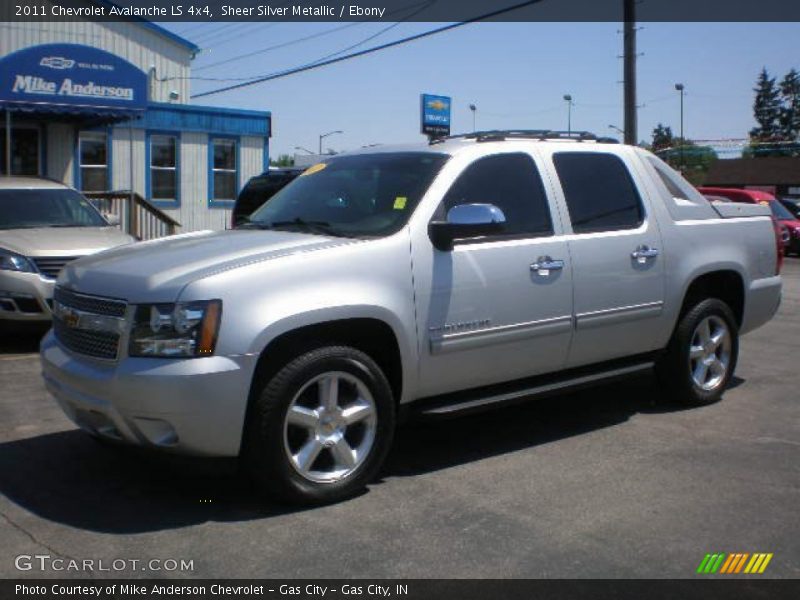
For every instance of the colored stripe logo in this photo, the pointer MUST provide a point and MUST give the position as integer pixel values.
(734, 563)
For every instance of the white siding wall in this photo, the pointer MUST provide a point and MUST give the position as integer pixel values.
(194, 214)
(251, 155)
(135, 43)
(121, 160)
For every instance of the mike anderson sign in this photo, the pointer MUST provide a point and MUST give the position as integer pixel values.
(71, 74)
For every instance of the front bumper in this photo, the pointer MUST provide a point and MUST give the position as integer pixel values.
(25, 297)
(190, 406)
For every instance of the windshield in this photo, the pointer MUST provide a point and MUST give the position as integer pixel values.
(780, 211)
(56, 207)
(365, 195)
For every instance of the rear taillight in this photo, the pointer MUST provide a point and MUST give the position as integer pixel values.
(778, 245)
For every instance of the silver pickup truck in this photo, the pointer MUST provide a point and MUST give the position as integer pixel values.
(432, 279)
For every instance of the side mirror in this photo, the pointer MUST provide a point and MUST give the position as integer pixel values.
(465, 221)
(112, 219)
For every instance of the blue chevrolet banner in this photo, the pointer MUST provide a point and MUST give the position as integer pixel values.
(73, 75)
(435, 114)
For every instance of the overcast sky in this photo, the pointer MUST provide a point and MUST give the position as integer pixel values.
(515, 73)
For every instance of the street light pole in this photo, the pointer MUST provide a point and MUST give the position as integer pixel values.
(568, 98)
(324, 135)
(679, 88)
(474, 109)
(618, 130)
(303, 149)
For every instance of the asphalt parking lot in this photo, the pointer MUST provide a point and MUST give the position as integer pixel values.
(602, 483)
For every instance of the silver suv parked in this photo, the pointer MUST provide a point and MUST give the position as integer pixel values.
(435, 279)
(43, 226)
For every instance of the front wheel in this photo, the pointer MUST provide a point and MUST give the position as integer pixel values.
(702, 354)
(321, 426)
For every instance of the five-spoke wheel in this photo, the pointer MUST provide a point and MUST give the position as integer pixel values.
(710, 352)
(330, 426)
(702, 353)
(321, 426)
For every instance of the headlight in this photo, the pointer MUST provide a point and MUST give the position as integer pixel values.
(187, 329)
(11, 261)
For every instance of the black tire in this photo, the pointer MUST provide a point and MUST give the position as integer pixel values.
(675, 368)
(266, 452)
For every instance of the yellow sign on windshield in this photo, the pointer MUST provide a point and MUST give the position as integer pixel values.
(314, 169)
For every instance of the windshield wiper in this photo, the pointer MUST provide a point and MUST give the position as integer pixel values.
(320, 227)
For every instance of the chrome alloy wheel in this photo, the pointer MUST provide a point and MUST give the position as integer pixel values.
(710, 353)
(330, 427)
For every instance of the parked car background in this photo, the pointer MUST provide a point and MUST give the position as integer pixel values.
(792, 205)
(260, 189)
(779, 211)
(43, 226)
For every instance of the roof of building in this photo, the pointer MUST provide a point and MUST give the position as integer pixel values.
(765, 170)
(191, 46)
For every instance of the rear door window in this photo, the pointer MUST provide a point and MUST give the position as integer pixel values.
(599, 192)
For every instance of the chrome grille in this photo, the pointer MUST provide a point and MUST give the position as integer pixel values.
(94, 304)
(99, 344)
(50, 266)
(89, 325)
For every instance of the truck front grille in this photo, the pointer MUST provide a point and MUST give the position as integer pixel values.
(89, 325)
(50, 266)
(94, 304)
(98, 344)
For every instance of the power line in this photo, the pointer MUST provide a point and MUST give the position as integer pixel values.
(302, 39)
(220, 32)
(327, 56)
(392, 44)
(248, 30)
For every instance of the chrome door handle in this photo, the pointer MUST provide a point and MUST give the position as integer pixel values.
(643, 252)
(545, 264)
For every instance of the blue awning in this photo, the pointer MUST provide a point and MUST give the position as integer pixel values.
(71, 112)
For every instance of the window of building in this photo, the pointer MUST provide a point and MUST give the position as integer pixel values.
(224, 170)
(512, 183)
(25, 151)
(93, 161)
(163, 167)
(599, 191)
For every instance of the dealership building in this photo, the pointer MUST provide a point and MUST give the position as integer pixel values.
(104, 106)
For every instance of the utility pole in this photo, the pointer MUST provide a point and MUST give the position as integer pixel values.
(629, 70)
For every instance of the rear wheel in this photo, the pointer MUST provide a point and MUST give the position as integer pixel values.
(701, 357)
(322, 426)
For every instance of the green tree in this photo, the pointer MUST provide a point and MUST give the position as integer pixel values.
(789, 117)
(284, 160)
(766, 109)
(662, 138)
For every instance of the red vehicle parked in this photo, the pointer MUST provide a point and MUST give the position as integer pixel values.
(779, 211)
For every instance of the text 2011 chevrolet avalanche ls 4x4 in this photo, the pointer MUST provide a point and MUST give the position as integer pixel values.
(441, 278)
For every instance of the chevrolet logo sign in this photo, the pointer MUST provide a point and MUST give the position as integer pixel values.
(57, 62)
(437, 105)
(78, 319)
(68, 316)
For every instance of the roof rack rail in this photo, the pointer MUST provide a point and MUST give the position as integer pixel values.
(499, 135)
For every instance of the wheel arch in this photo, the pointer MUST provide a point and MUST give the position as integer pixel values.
(726, 284)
